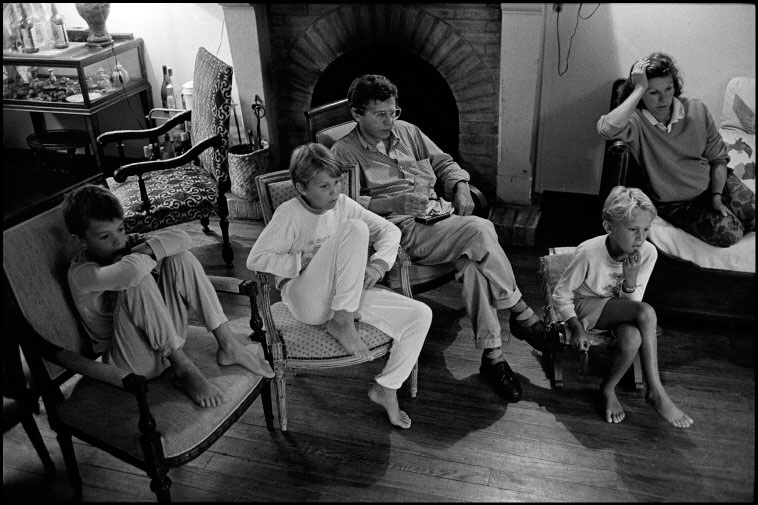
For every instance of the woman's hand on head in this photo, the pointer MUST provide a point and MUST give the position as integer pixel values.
(638, 75)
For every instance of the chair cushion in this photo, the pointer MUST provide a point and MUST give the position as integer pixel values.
(312, 343)
(177, 195)
(110, 413)
(211, 110)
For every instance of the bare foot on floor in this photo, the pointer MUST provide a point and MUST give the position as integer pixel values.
(232, 352)
(614, 412)
(345, 333)
(666, 408)
(387, 398)
(202, 392)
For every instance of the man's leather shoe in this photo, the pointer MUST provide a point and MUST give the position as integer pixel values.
(502, 378)
(536, 335)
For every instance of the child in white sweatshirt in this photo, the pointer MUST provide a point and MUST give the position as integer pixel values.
(316, 246)
(137, 325)
(601, 290)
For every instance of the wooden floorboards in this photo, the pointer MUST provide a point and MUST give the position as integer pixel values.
(466, 444)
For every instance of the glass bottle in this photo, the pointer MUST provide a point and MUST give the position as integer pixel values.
(43, 35)
(27, 33)
(58, 27)
(170, 96)
(14, 21)
(164, 103)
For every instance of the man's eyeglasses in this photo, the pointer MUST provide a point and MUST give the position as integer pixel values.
(381, 115)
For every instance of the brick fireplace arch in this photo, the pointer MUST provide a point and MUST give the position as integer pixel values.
(461, 41)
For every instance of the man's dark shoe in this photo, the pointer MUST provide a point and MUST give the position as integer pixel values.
(502, 378)
(536, 335)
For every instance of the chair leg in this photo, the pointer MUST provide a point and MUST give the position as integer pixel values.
(69, 457)
(204, 222)
(161, 486)
(27, 421)
(281, 398)
(268, 411)
(226, 252)
(414, 380)
(639, 381)
(556, 361)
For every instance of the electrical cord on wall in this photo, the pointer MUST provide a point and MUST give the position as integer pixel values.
(579, 16)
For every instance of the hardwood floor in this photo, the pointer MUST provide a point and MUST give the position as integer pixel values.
(466, 444)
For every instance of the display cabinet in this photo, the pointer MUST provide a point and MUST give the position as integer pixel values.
(77, 80)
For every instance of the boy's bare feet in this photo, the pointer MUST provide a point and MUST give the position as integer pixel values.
(232, 352)
(193, 382)
(666, 408)
(202, 392)
(614, 412)
(387, 398)
(342, 327)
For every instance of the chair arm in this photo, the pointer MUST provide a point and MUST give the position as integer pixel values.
(403, 262)
(273, 338)
(142, 167)
(481, 206)
(121, 135)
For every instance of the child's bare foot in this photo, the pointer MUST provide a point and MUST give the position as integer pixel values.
(202, 392)
(387, 398)
(232, 352)
(343, 329)
(614, 412)
(666, 408)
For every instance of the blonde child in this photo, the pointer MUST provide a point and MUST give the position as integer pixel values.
(601, 290)
(316, 245)
(137, 323)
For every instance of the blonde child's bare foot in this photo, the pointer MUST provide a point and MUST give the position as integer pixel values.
(614, 412)
(202, 392)
(666, 408)
(232, 352)
(387, 398)
(343, 329)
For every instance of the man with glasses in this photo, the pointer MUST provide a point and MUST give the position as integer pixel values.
(392, 154)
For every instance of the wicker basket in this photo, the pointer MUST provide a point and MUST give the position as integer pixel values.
(244, 165)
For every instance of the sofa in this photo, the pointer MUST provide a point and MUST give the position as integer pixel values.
(691, 277)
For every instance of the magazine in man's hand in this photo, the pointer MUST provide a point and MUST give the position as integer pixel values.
(436, 210)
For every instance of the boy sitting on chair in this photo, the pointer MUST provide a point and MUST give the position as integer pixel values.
(139, 324)
(601, 290)
(316, 245)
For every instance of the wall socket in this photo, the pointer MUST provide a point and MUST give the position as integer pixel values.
(557, 7)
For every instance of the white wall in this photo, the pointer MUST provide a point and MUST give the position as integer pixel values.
(710, 42)
(172, 33)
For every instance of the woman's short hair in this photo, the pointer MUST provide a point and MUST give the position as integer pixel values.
(89, 203)
(621, 201)
(308, 160)
(370, 87)
(661, 65)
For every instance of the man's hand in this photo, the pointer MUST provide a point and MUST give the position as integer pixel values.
(579, 338)
(411, 204)
(718, 205)
(464, 203)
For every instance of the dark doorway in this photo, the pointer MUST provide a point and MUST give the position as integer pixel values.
(424, 95)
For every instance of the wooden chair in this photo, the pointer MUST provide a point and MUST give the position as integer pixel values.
(151, 425)
(161, 193)
(291, 343)
(330, 122)
(20, 398)
(551, 268)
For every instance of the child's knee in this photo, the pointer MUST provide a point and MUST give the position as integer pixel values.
(181, 260)
(356, 230)
(646, 315)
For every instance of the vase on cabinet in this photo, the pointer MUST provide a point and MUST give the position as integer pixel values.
(95, 15)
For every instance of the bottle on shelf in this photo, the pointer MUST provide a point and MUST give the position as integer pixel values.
(14, 27)
(27, 32)
(170, 95)
(43, 35)
(164, 95)
(58, 27)
(168, 144)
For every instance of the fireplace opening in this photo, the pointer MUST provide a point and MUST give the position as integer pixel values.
(424, 95)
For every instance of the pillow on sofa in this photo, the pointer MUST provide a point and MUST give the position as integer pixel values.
(737, 126)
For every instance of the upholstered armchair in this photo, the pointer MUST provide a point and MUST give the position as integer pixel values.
(149, 424)
(161, 193)
(330, 122)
